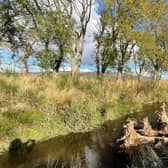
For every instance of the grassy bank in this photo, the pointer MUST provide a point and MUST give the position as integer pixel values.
(43, 106)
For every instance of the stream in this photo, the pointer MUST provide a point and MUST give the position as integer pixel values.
(98, 148)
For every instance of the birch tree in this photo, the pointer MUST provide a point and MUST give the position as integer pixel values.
(82, 10)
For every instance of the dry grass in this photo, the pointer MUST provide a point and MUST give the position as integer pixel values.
(41, 106)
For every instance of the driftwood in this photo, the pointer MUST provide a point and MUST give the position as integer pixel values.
(134, 137)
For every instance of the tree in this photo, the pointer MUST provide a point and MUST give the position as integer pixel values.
(103, 47)
(140, 53)
(82, 10)
(13, 30)
(125, 21)
(55, 35)
(48, 24)
(7, 19)
(118, 35)
(154, 45)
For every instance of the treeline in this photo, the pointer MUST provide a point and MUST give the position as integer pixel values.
(54, 31)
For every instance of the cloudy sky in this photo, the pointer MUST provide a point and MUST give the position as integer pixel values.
(88, 57)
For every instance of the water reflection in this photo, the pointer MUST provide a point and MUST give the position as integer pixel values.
(94, 149)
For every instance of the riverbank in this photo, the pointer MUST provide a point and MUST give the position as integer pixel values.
(118, 143)
(43, 106)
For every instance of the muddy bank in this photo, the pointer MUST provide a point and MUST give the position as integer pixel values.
(99, 148)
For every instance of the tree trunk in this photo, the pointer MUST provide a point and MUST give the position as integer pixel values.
(103, 69)
(139, 77)
(104, 66)
(26, 65)
(98, 65)
(157, 76)
(140, 74)
(73, 65)
(60, 59)
(120, 73)
(26, 68)
(80, 52)
(79, 63)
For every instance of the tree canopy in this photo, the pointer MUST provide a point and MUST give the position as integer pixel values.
(55, 31)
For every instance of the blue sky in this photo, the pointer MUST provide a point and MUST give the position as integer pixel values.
(5, 56)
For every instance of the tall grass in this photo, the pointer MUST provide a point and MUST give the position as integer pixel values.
(41, 106)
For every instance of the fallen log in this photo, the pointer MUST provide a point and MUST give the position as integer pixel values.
(135, 137)
(147, 129)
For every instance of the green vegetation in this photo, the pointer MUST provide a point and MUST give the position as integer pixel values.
(43, 106)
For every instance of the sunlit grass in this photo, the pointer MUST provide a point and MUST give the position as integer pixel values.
(41, 106)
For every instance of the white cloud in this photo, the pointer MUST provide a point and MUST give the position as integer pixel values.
(88, 55)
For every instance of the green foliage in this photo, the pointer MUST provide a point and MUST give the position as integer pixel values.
(53, 29)
(127, 24)
(47, 59)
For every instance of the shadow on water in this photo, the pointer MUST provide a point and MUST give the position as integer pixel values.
(94, 149)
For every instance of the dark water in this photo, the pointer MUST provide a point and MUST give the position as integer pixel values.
(94, 149)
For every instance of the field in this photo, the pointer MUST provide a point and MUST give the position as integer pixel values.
(40, 106)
